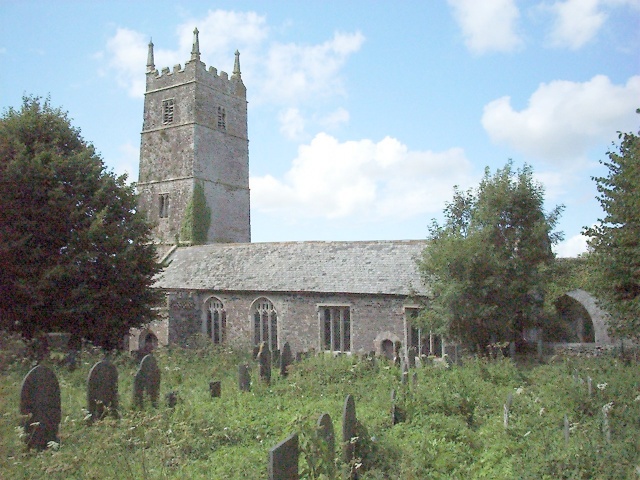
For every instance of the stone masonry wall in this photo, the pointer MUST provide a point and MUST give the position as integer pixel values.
(372, 318)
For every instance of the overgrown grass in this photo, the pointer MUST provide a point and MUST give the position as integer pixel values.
(453, 429)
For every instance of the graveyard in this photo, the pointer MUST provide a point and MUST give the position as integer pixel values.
(205, 411)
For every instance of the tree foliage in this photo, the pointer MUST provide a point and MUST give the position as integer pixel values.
(484, 264)
(75, 255)
(615, 240)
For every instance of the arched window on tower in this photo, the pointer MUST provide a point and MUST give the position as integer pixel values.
(215, 321)
(265, 323)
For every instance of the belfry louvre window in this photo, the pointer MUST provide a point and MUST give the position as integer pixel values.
(215, 326)
(222, 118)
(336, 328)
(163, 205)
(265, 324)
(167, 111)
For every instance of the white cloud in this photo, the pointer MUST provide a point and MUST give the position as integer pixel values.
(488, 25)
(335, 119)
(291, 123)
(126, 58)
(295, 73)
(576, 22)
(281, 74)
(362, 179)
(564, 119)
(572, 247)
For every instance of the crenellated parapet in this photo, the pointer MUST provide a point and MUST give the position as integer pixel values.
(195, 70)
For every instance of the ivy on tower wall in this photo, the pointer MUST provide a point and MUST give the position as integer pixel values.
(197, 218)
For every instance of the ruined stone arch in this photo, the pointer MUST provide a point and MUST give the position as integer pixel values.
(384, 343)
(597, 329)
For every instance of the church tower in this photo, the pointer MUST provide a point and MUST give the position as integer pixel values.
(194, 153)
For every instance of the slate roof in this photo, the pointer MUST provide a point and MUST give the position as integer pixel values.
(372, 267)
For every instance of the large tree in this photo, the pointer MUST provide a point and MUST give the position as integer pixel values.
(484, 264)
(615, 240)
(75, 254)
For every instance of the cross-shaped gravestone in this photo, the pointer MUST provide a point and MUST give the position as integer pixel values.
(348, 429)
(283, 459)
(40, 400)
(102, 390)
(146, 382)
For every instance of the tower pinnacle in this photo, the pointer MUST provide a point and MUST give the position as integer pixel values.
(195, 50)
(236, 65)
(150, 63)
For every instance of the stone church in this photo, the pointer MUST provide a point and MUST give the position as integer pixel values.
(194, 186)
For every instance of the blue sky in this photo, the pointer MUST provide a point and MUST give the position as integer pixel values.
(363, 115)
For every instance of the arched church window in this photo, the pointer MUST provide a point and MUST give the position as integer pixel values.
(265, 323)
(215, 321)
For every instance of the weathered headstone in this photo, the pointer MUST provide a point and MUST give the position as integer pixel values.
(283, 459)
(244, 378)
(506, 408)
(411, 357)
(397, 353)
(264, 360)
(589, 386)
(348, 429)
(171, 398)
(405, 373)
(566, 429)
(286, 359)
(40, 400)
(146, 382)
(102, 390)
(326, 433)
(215, 388)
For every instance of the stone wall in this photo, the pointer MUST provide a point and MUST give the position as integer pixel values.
(373, 318)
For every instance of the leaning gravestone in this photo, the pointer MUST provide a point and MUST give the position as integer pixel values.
(102, 390)
(146, 382)
(244, 379)
(348, 429)
(283, 460)
(40, 400)
(286, 359)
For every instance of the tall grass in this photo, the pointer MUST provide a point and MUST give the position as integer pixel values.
(453, 428)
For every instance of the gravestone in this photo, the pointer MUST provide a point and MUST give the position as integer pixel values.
(215, 388)
(285, 359)
(171, 399)
(405, 373)
(244, 378)
(397, 355)
(264, 360)
(348, 429)
(283, 459)
(397, 414)
(146, 382)
(411, 357)
(40, 400)
(102, 390)
(326, 433)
